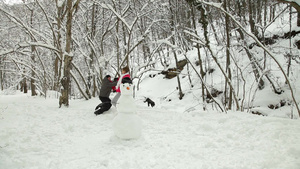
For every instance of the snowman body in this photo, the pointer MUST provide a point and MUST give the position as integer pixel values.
(127, 124)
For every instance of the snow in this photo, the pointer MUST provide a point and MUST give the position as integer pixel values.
(35, 133)
(127, 126)
(296, 1)
(12, 1)
(60, 3)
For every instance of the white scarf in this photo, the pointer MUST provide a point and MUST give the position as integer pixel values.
(120, 80)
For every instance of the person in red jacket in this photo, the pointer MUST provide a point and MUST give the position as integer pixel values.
(125, 78)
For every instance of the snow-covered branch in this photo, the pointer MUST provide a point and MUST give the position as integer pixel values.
(39, 44)
(167, 42)
(194, 35)
(272, 55)
(108, 6)
(5, 52)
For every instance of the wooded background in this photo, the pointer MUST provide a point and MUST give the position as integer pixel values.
(69, 46)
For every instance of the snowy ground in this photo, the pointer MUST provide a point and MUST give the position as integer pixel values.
(35, 133)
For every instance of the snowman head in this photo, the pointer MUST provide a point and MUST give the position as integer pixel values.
(126, 88)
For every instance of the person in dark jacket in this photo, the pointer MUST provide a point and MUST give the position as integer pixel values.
(106, 87)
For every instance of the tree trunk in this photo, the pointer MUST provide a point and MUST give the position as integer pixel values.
(251, 18)
(289, 55)
(58, 44)
(33, 62)
(118, 47)
(173, 27)
(32, 81)
(1, 77)
(67, 61)
(92, 55)
(24, 83)
(298, 18)
(228, 69)
(202, 74)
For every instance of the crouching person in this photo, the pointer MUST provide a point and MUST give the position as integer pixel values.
(106, 87)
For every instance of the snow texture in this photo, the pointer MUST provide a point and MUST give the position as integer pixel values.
(35, 133)
(127, 126)
(60, 3)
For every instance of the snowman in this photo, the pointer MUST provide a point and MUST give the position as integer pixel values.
(126, 124)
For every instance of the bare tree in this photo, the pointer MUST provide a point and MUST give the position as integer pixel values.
(68, 55)
(228, 60)
(33, 62)
(202, 73)
(296, 6)
(173, 23)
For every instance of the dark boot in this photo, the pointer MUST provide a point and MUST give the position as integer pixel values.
(106, 106)
(98, 111)
(99, 106)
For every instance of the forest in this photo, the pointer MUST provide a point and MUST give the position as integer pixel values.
(239, 47)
